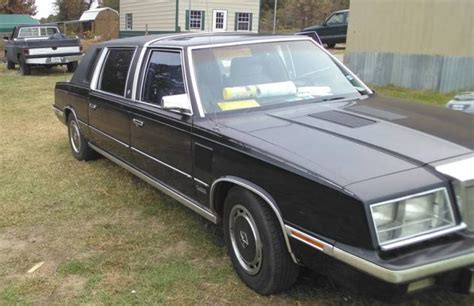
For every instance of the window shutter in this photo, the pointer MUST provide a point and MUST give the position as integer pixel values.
(187, 20)
(203, 20)
(250, 21)
(235, 21)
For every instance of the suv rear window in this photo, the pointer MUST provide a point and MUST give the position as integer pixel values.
(115, 71)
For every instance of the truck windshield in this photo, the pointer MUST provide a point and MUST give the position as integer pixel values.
(32, 32)
(264, 74)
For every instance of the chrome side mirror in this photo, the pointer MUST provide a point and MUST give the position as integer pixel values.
(177, 103)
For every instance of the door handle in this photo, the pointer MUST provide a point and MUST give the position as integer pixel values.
(137, 122)
(92, 106)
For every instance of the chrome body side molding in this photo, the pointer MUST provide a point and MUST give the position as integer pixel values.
(108, 136)
(259, 192)
(159, 185)
(161, 162)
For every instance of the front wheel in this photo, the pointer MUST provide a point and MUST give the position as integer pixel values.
(77, 142)
(256, 244)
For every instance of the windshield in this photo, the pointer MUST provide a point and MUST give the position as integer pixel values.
(266, 74)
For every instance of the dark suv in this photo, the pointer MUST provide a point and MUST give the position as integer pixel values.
(333, 30)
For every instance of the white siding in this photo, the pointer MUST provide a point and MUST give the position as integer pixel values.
(158, 14)
(232, 7)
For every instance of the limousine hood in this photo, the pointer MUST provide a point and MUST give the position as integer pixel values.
(348, 142)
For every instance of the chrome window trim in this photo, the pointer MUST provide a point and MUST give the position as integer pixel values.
(142, 55)
(100, 66)
(257, 41)
(201, 210)
(161, 162)
(400, 242)
(108, 136)
(262, 194)
(141, 84)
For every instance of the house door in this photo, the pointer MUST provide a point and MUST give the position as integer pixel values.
(219, 23)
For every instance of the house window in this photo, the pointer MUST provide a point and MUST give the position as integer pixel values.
(243, 22)
(195, 20)
(128, 21)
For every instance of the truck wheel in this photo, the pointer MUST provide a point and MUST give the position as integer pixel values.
(80, 149)
(71, 67)
(10, 65)
(256, 243)
(25, 69)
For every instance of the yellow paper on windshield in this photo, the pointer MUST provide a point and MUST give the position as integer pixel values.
(226, 106)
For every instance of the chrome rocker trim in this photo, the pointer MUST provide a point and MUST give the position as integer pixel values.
(162, 187)
(390, 276)
(57, 111)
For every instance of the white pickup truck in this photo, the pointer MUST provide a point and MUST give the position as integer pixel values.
(41, 45)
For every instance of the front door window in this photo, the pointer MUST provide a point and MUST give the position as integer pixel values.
(220, 21)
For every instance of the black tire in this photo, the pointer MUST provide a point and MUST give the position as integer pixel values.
(71, 67)
(330, 46)
(275, 271)
(10, 65)
(78, 144)
(25, 69)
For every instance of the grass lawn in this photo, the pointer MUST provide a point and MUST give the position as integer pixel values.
(426, 96)
(103, 235)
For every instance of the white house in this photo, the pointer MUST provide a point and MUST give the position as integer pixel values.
(166, 16)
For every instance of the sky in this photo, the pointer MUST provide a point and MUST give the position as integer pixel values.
(45, 8)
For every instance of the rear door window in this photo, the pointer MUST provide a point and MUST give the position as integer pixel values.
(115, 71)
(164, 76)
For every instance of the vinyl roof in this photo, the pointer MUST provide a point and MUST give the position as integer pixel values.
(193, 39)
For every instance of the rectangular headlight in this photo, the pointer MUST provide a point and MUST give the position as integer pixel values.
(411, 216)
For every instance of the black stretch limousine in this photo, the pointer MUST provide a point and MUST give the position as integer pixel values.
(299, 160)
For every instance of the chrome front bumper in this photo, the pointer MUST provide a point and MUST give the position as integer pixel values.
(53, 60)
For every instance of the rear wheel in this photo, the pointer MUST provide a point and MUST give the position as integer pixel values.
(256, 243)
(25, 69)
(10, 65)
(79, 147)
(71, 67)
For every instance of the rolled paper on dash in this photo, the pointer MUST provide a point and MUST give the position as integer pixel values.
(260, 91)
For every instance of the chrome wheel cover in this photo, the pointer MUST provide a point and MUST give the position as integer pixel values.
(245, 239)
(75, 136)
